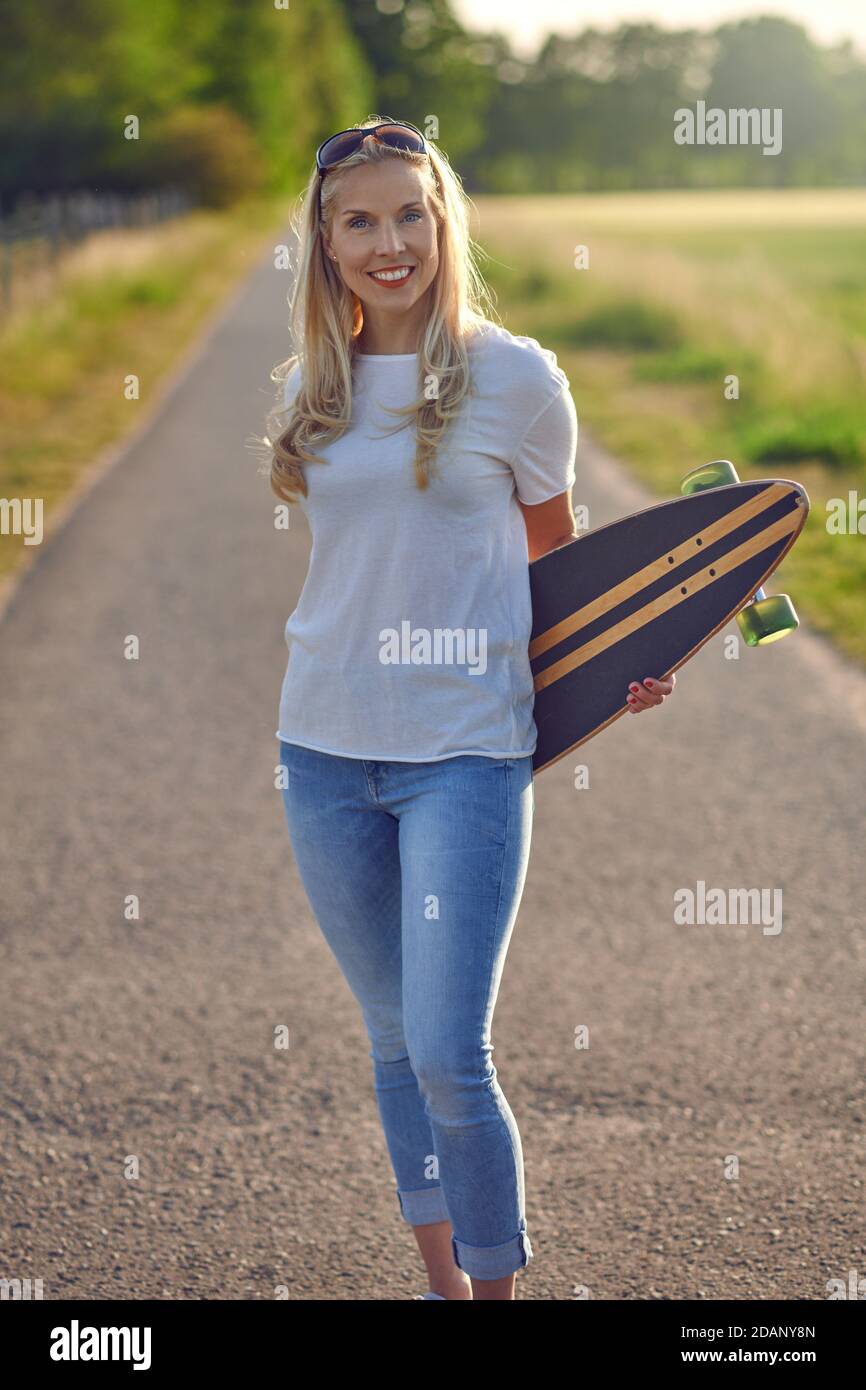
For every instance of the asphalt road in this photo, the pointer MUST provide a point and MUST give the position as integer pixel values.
(147, 1046)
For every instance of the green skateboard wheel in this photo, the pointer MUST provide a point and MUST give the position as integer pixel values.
(716, 474)
(767, 619)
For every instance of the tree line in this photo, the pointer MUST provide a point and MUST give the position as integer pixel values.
(225, 98)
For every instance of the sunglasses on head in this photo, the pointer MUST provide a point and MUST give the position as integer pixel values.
(400, 135)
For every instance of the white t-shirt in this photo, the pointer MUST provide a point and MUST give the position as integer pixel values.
(410, 638)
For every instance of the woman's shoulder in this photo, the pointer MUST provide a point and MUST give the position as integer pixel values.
(516, 362)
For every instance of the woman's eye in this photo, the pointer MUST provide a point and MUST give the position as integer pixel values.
(355, 220)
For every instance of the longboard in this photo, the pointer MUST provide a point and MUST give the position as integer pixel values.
(640, 596)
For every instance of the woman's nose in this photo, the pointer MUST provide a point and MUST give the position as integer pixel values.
(390, 240)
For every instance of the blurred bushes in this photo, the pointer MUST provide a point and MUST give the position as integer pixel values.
(628, 324)
(229, 98)
(833, 436)
(208, 150)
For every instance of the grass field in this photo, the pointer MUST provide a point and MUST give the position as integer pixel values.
(123, 302)
(682, 292)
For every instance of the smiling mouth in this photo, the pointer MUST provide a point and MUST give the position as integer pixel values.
(398, 276)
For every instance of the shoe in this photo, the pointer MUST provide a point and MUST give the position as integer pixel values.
(432, 1295)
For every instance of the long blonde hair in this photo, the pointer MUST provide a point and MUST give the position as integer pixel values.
(326, 318)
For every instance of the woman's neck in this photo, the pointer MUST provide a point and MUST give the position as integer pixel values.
(386, 334)
(392, 345)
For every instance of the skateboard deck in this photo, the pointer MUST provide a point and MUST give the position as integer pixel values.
(640, 596)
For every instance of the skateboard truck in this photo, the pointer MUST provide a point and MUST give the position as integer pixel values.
(765, 617)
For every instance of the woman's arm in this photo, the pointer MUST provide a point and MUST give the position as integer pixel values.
(548, 524)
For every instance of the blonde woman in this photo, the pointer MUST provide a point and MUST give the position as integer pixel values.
(432, 453)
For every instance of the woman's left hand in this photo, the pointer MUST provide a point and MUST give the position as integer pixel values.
(643, 695)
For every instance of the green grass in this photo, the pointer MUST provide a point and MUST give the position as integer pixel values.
(687, 363)
(629, 324)
(835, 437)
(675, 306)
(123, 302)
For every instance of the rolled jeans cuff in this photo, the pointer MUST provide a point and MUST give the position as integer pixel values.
(492, 1261)
(423, 1206)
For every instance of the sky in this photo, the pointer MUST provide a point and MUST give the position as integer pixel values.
(527, 22)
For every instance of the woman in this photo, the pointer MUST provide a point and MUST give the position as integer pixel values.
(406, 710)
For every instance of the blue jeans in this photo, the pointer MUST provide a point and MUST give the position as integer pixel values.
(414, 872)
